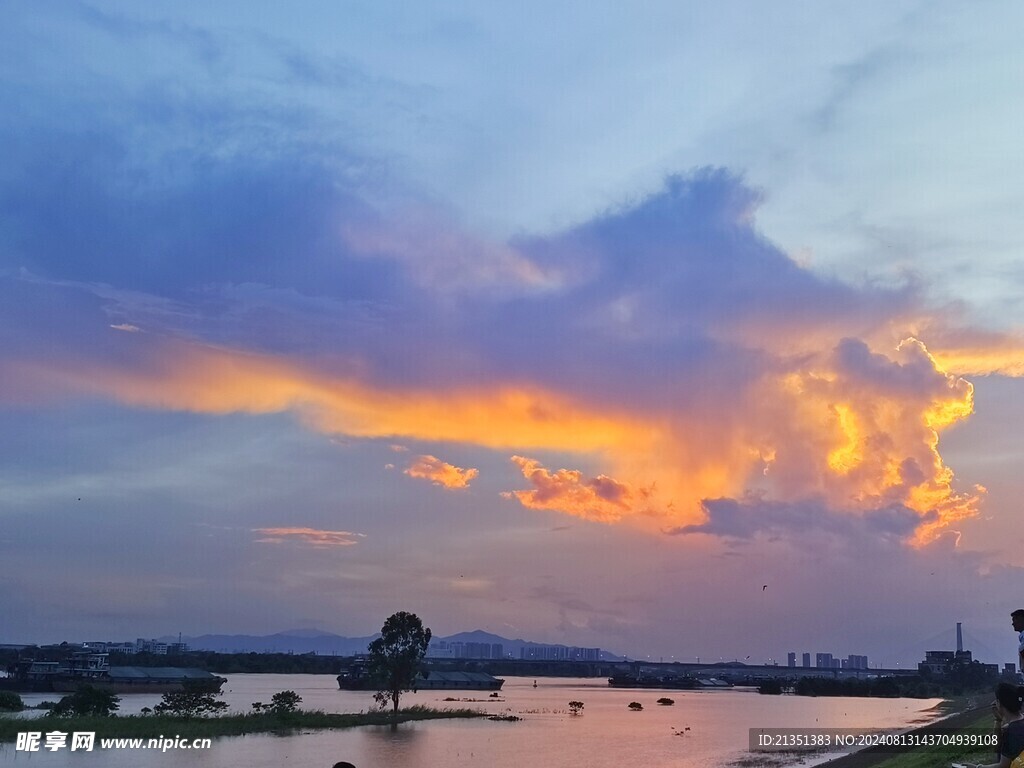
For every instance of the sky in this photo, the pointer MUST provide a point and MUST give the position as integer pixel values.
(678, 329)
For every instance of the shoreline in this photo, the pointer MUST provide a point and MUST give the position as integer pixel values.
(958, 713)
(876, 756)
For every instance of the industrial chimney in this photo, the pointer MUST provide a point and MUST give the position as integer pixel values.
(959, 638)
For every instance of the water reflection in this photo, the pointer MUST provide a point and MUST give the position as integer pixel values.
(397, 745)
(605, 735)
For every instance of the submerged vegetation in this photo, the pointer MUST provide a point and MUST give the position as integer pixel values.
(154, 726)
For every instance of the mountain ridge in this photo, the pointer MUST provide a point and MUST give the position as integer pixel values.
(330, 644)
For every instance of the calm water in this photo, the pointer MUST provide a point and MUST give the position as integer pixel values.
(606, 735)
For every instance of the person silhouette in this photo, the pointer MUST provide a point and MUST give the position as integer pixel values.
(1017, 617)
(1009, 701)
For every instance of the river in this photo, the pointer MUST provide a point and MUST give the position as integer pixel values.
(703, 728)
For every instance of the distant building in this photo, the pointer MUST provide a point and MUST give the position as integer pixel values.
(854, 661)
(937, 662)
(791, 659)
(445, 649)
(941, 663)
(806, 660)
(559, 653)
(823, 660)
(155, 647)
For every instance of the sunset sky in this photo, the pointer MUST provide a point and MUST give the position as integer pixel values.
(576, 322)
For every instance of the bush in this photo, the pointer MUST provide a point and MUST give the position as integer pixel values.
(666, 702)
(11, 702)
(575, 707)
(86, 701)
(189, 702)
(636, 706)
(285, 702)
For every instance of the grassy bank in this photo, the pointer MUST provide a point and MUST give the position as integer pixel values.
(154, 726)
(977, 721)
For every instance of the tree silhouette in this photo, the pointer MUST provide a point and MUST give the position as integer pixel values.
(396, 657)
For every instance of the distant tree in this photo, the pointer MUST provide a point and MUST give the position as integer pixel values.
(575, 707)
(86, 701)
(771, 687)
(11, 702)
(396, 657)
(666, 702)
(258, 706)
(191, 701)
(285, 702)
(636, 706)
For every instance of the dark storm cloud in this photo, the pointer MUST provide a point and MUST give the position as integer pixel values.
(749, 518)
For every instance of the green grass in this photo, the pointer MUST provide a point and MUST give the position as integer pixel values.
(153, 726)
(941, 757)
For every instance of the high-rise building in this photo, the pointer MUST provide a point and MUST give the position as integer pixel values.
(807, 660)
(791, 659)
(823, 660)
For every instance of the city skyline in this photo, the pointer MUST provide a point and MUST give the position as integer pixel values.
(696, 329)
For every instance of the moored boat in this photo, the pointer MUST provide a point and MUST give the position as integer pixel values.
(93, 669)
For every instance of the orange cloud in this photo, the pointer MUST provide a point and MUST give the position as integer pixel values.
(972, 352)
(181, 376)
(1005, 360)
(440, 473)
(854, 427)
(600, 498)
(862, 430)
(311, 536)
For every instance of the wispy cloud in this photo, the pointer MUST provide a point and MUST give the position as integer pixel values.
(313, 537)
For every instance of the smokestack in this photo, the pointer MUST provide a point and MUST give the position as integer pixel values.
(959, 638)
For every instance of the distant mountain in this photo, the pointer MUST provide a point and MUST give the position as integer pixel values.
(307, 633)
(512, 647)
(329, 644)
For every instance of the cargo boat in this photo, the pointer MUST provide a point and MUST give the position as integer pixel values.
(93, 669)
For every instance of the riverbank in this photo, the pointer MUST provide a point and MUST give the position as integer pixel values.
(154, 726)
(957, 716)
(974, 721)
